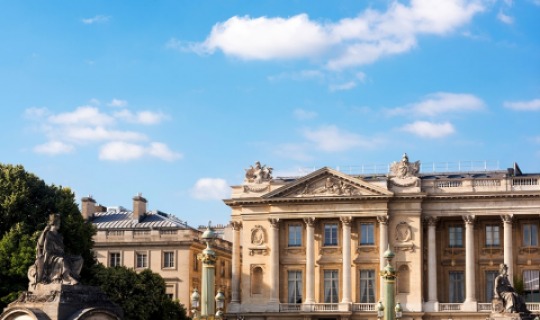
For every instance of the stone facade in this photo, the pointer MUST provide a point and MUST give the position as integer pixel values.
(312, 245)
(142, 239)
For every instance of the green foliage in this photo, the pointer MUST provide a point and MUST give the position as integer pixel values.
(141, 295)
(25, 204)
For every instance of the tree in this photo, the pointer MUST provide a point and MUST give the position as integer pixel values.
(25, 204)
(141, 295)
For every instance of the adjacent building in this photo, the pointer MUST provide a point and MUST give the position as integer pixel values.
(141, 239)
(313, 245)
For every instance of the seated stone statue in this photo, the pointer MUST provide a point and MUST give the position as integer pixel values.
(52, 264)
(513, 302)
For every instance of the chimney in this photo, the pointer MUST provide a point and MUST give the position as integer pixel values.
(139, 207)
(88, 207)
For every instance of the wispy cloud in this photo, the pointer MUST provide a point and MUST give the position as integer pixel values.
(531, 105)
(346, 43)
(504, 18)
(342, 86)
(332, 139)
(117, 103)
(96, 19)
(441, 103)
(86, 125)
(210, 189)
(427, 129)
(302, 114)
(298, 76)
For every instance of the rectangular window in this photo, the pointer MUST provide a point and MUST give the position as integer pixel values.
(142, 260)
(530, 235)
(168, 259)
(295, 235)
(455, 236)
(492, 236)
(195, 262)
(531, 285)
(295, 286)
(490, 282)
(456, 287)
(367, 237)
(114, 259)
(330, 234)
(331, 285)
(367, 286)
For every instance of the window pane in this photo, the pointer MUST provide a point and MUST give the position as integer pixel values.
(168, 259)
(367, 234)
(531, 285)
(367, 286)
(455, 236)
(490, 281)
(457, 287)
(492, 236)
(295, 287)
(331, 284)
(295, 235)
(330, 234)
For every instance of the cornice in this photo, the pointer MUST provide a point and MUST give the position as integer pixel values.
(505, 195)
(244, 201)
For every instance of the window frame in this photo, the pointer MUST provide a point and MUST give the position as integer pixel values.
(453, 240)
(116, 262)
(531, 240)
(331, 278)
(295, 286)
(145, 259)
(331, 238)
(369, 280)
(492, 237)
(168, 263)
(456, 286)
(294, 236)
(367, 237)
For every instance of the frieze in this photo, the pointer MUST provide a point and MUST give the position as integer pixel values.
(327, 188)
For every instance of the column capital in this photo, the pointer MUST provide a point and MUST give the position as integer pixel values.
(469, 219)
(274, 222)
(507, 218)
(237, 225)
(346, 220)
(310, 222)
(431, 221)
(383, 219)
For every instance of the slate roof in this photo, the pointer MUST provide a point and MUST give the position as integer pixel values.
(121, 219)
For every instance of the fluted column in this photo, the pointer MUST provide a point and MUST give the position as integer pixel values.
(235, 283)
(346, 224)
(470, 275)
(508, 254)
(310, 260)
(432, 259)
(383, 245)
(274, 260)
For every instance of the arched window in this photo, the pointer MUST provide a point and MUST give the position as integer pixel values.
(403, 279)
(256, 280)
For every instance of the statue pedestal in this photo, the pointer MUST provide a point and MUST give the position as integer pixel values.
(511, 316)
(62, 302)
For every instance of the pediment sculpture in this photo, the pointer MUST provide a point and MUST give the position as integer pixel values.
(405, 173)
(52, 264)
(258, 173)
(328, 187)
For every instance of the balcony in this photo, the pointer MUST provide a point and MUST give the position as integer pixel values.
(326, 307)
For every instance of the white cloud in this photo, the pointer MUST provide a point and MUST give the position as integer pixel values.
(96, 19)
(141, 117)
(426, 129)
(332, 139)
(99, 133)
(346, 43)
(302, 114)
(440, 103)
(162, 151)
(211, 189)
(85, 115)
(54, 148)
(117, 103)
(532, 105)
(504, 18)
(342, 86)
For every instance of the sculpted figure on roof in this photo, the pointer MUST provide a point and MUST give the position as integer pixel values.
(258, 173)
(404, 168)
(52, 265)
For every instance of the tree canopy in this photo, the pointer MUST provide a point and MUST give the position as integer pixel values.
(141, 295)
(26, 202)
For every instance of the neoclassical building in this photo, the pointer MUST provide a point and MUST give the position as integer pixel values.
(312, 246)
(150, 239)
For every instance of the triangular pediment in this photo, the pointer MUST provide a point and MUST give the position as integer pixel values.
(327, 182)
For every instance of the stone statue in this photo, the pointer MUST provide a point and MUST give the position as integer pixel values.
(258, 173)
(404, 168)
(503, 290)
(52, 265)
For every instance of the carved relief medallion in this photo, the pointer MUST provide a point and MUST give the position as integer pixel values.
(258, 235)
(403, 232)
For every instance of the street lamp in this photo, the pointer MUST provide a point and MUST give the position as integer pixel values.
(380, 310)
(399, 310)
(195, 297)
(220, 303)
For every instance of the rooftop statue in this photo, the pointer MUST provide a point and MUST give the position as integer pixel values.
(258, 173)
(52, 265)
(404, 168)
(512, 302)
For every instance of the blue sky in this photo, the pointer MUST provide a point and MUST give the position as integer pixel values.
(175, 99)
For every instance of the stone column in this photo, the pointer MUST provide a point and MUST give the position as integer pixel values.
(310, 260)
(346, 224)
(508, 254)
(274, 261)
(432, 262)
(236, 271)
(383, 245)
(470, 275)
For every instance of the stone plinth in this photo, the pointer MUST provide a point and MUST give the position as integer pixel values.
(63, 302)
(511, 316)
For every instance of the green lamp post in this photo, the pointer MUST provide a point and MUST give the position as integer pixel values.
(389, 277)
